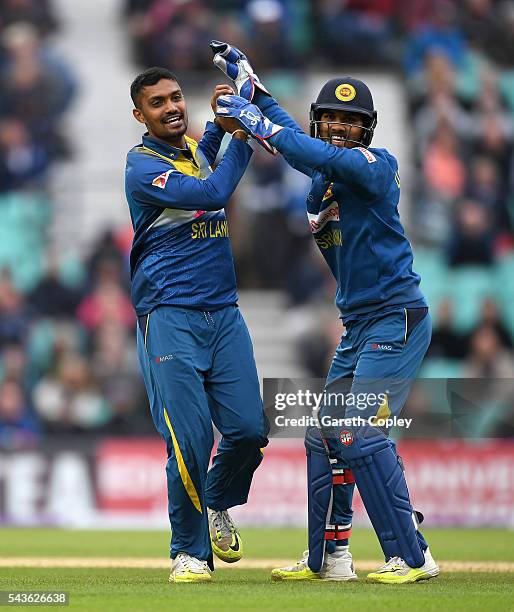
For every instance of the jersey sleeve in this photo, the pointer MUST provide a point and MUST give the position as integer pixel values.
(276, 114)
(154, 183)
(210, 142)
(359, 168)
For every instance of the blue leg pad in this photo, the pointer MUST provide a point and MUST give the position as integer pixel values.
(319, 493)
(383, 489)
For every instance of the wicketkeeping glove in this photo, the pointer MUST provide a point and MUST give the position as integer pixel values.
(250, 117)
(236, 66)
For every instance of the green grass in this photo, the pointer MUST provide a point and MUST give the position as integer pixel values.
(252, 590)
(449, 544)
(232, 589)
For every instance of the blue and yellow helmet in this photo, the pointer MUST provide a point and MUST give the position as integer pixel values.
(347, 94)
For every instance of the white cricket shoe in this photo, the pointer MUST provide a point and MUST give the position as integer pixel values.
(185, 568)
(338, 567)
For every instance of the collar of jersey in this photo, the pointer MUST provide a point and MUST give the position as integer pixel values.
(163, 149)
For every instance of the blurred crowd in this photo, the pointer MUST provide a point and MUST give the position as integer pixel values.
(67, 361)
(37, 88)
(67, 358)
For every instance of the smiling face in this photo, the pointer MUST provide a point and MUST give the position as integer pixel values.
(162, 108)
(341, 128)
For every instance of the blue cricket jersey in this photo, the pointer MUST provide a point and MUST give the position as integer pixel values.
(181, 252)
(353, 213)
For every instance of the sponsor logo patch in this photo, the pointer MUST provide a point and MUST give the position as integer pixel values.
(346, 437)
(164, 358)
(161, 180)
(330, 213)
(381, 347)
(367, 154)
(345, 92)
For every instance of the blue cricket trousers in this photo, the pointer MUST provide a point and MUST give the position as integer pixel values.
(384, 350)
(199, 369)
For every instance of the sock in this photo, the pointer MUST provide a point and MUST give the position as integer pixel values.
(340, 551)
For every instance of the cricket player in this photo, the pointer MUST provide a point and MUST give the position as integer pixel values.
(193, 345)
(353, 212)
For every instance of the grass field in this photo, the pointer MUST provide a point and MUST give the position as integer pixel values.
(484, 585)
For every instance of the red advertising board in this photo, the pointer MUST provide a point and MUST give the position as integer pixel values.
(130, 475)
(451, 482)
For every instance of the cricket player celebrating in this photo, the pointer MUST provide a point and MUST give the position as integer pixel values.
(353, 212)
(193, 345)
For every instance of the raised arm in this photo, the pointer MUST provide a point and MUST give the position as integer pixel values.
(235, 65)
(209, 144)
(154, 183)
(358, 166)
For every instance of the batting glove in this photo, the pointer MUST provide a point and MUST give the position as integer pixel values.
(250, 117)
(236, 66)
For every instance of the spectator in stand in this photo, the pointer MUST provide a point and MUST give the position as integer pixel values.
(497, 39)
(484, 186)
(477, 19)
(171, 33)
(491, 317)
(19, 427)
(317, 344)
(434, 101)
(415, 14)
(52, 297)
(13, 365)
(38, 86)
(493, 136)
(49, 341)
(356, 31)
(472, 238)
(108, 301)
(487, 358)
(444, 170)
(446, 343)
(23, 161)
(108, 250)
(38, 13)
(269, 31)
(441, 33)
(70, 400)
(115, 368)
(14, 317)
(444, 177)
(488, 409)
(493, 132)
(23, 44)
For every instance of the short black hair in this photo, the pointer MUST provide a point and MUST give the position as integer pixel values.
(150, 76)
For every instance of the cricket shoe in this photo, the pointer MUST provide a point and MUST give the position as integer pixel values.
(185, 568)
(225, 539)
(335, 568)
(396, 571)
